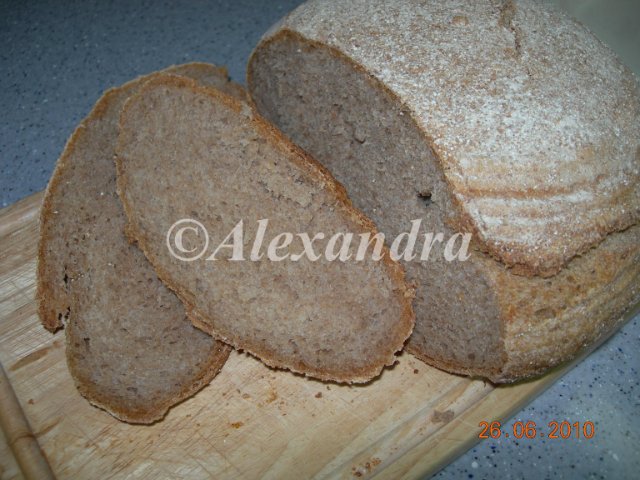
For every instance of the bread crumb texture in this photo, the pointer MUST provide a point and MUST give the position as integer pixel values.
(205, 156)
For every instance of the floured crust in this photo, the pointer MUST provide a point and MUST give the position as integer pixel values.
(53, 300)
(324, 178)
(539, 141)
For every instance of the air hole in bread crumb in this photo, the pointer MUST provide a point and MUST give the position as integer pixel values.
(64, 316)
(425, 197)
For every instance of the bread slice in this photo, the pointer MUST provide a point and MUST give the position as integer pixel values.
(130, 347)
(207, 157)
(465, 115)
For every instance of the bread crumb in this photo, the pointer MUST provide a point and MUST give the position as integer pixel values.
(319, 395)
(273, 396)
(442, 417)
(460, 20)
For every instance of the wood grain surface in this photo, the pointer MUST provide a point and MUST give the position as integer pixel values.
(251, 422)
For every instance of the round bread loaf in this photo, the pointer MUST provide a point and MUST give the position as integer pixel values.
(505, 119)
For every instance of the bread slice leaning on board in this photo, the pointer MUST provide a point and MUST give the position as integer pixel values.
(130, 347)
(207, 157)
(505, 119)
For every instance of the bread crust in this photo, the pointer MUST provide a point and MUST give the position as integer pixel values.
(404, 293)
(51, 302)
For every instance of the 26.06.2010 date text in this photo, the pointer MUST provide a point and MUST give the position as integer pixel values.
(561, 430)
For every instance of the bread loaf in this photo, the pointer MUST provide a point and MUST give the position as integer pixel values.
(207, 157)
(130, 347)
(505, 119)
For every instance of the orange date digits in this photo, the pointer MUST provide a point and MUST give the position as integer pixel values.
(490, 430)
(557, 430)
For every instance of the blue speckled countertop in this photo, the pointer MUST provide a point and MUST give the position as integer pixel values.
(57, 57)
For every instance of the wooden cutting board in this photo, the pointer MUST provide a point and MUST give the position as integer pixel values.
(251, 422)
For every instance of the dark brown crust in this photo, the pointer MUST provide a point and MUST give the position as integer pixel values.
(45, 297)
(302, 159)
(513, 255)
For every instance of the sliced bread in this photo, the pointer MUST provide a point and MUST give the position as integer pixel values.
(505, 119)
(130, 347)
(190, 152)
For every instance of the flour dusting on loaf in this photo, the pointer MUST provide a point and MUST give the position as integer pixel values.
(535, 121)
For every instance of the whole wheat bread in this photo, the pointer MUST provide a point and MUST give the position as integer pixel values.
(205, 156)
(130, 347)
(467, 115)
